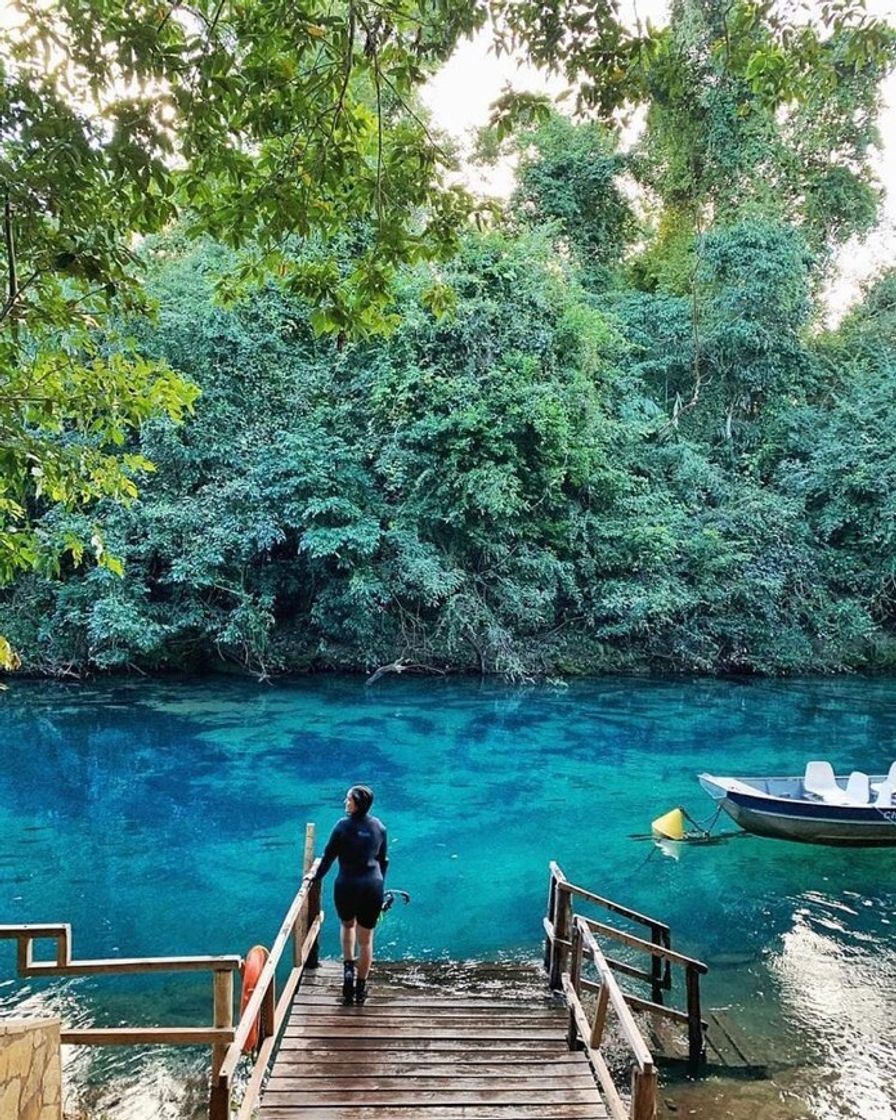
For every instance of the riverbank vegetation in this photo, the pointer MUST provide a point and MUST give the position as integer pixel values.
(603, 428)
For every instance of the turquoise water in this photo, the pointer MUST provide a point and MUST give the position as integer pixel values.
(168, 818)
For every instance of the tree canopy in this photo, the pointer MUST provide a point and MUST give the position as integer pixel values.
(254, 121)
(607, 430)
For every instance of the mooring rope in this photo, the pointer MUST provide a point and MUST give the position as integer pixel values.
(706, 829)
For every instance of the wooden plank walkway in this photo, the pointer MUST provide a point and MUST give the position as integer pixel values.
(424, 1052)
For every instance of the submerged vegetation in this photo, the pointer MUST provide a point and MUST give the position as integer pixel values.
(604, 429)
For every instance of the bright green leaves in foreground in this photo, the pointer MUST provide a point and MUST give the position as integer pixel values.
(265, 119)
(262, 121)
(64, 418)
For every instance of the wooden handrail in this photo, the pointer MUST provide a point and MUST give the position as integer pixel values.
(607, 903)
(32, 929)
(582, 1031)
(253, 1088)
(571, 939)
(253, 1007)
(648, 946)
(590, 1034)
(117, 965)
(302, 924)
(559, 946)
(27, 933)
(138, 1036)
(636, 1043)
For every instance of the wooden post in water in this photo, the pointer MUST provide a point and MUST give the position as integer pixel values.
(643, 1094)
(695, 1024)
(222, 1012)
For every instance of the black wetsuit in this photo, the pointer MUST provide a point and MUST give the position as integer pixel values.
(359, 842)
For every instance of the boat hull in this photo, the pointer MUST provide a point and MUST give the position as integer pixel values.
(808, 822)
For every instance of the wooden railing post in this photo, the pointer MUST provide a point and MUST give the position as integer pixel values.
(308, 855)
(600, 1015)
(643, 1094)
(575, 976)
(269, 1012)
(300, 931)
(552, 917)
(656, 967)
(575, 958)
(313, 914)
(222, 1012)
(695, 1024)
(219, 1100)
(562, 924)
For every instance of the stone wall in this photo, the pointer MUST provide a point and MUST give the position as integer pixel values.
(30, 1070)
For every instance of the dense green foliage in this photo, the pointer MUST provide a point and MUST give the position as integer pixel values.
(624, 442)
(254, 120)
(502, 489)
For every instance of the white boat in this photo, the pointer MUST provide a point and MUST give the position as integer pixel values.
(817, 808)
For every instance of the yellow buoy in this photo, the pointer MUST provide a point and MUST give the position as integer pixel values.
(670, 825)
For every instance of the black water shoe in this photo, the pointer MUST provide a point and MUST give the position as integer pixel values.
(348, 983)
(360, 993)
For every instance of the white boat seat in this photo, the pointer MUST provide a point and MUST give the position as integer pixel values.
(890, 779)
(884, 793)
(858, 789)
(819, 781)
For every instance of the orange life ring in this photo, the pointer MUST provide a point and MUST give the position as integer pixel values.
(252, 968)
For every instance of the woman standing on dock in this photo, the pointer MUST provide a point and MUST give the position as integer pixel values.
(359, 843)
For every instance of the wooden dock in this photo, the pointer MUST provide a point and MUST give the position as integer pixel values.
(516, 1044)
(414, 1052)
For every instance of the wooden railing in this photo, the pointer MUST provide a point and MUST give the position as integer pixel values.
(219, 1035)
(558, 925)
(301, 925)
(563, 963)
(560, 895)
(590, 1033)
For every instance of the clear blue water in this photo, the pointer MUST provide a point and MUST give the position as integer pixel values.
(168, 818)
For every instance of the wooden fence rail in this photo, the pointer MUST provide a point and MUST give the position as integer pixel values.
(301, 925)
(590, 1034)
(220, 1033)
(558, 926)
